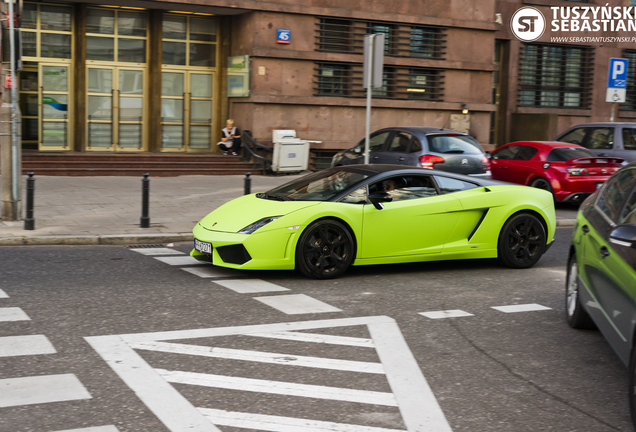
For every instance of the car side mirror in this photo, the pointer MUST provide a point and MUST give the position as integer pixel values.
(624, 235)
(378, 198)
(357, 149)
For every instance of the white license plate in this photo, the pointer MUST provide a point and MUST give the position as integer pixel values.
(598, 185)
(202, 247)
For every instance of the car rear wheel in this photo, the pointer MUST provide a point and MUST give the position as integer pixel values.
(576, 316)
(541, 183)
(632, 386)
(521, 241)
(325, 250)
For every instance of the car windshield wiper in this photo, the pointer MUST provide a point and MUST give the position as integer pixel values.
(274, 197)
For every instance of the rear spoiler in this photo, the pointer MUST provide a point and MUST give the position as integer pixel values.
(599, 160)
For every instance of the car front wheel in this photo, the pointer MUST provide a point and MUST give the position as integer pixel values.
(576, 316)
(522, 241)
(325, 250)
(632, 386)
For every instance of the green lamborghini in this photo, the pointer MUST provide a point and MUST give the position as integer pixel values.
(326, 221)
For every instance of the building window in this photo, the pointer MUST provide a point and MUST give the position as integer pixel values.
(332, 79)
(556, 76)
(347, 36)
(116, 35)
(189, 40)
(46, 31)
(630, 100)
(345, 79)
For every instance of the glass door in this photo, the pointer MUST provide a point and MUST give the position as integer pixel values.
(53, 104)
(186, 111)
(115, 108)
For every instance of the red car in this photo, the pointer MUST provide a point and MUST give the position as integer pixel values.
(569, 171)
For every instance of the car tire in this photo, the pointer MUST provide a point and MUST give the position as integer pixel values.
(325, 249)
(542, 183)
(631, 380)
(521, 241)
(576, 316)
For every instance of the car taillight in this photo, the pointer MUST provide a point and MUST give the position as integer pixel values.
(486, 161)
(577, 171)
(429, 161)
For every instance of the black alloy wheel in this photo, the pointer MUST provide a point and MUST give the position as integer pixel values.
(325, 250)
(576, 316)
(632, 386)
(522, 241)
(541, 183)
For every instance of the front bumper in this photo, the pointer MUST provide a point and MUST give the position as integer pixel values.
(267, 250)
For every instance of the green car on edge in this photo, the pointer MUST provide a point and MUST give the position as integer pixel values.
(326, 221)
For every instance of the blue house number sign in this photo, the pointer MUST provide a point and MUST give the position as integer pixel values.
(283, 36)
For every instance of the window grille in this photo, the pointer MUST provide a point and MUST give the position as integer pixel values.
(630, 98)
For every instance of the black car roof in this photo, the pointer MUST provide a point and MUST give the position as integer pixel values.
(376, 169)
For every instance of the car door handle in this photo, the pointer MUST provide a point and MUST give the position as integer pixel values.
(585, 229)
(400, 159)
(374, 157)
(604, 252)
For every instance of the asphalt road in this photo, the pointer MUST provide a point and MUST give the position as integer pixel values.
(243, 343)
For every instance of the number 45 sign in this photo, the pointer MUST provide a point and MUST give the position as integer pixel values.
(616, 80)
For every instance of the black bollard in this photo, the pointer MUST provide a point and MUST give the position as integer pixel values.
(145, 196)
(29, 222)
(247, 184)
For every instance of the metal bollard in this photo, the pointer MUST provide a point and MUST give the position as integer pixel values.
(247, 184)
(29, 222)
(145, 196)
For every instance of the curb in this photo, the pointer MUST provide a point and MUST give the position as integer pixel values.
(114, 239)
(129, 239)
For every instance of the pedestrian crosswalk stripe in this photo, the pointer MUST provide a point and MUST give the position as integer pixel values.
(13, 314)
(179, 260)
(317, 338)
(157, 251)
(282, 424)
(211, 271)
(250, 286)
(261, 357)
(25, 345)
(3, 294)
(94, 429)
(294, 304)
(521, 308)
(445, 314)
(279, 387)
(41, 389)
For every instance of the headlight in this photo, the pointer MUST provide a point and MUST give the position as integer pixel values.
(258, 224)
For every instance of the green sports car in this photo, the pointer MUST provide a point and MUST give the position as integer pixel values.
(326, 221)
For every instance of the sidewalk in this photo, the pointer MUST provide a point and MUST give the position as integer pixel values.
(107, 210)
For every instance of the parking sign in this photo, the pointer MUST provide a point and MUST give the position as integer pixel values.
(616, 80)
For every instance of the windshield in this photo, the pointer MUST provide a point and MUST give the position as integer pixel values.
(566, 153)
(320, 186)
(454, 144)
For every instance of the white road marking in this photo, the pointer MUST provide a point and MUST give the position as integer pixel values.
(279, 387)
(25, 345)
(294, 304)
(521, 308)
(282, 424)
(416, 400)
(13, 314)
(179, 260)
(3, 294)
(262, 357)
(94, 429)
(317, 338)
(211, 271)
(41, 389)
(446, 314)
(157, 251)
(250, 286)
(176, 413)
